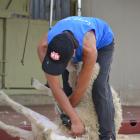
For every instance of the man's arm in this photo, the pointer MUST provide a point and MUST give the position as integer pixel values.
(61, 98)
(89, 60)
(77, 127)
(55, 85)
(42, 48)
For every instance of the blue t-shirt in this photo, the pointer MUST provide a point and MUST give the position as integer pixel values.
(79, 26)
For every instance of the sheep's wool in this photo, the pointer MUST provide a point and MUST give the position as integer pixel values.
(86, 109)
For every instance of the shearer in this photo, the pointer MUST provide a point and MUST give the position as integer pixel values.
(72, 40)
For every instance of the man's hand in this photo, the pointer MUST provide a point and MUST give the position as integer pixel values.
(77, 128)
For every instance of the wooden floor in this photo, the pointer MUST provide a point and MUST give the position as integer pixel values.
(130, 125)
(131, 120)
(129, 137)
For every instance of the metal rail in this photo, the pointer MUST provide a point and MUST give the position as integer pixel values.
(51, 13)
(79, 7)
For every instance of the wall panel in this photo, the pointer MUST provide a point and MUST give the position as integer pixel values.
(124, 18)
(19, 75)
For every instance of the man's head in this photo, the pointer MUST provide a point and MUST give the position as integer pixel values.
(59, 52)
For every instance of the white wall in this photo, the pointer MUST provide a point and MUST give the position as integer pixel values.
(124, 18)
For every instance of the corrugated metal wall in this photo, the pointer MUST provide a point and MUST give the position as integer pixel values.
(40, 9)
(124, 17)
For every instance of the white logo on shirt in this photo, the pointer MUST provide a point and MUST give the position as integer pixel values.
(79, 19)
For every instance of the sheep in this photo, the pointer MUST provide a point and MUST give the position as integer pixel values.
(44, 129)
(89, 116)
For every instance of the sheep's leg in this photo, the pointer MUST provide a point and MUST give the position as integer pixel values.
(37, 119)
(16, 132)
(46, 128)
(27, 135)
